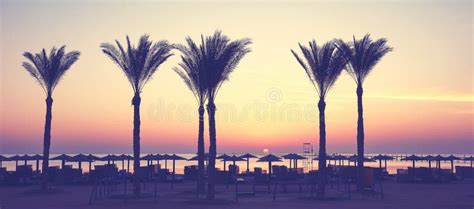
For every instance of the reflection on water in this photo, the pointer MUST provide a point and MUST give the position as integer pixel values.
(392, 166)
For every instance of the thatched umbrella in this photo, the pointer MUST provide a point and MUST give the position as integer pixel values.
(235, 158)
(36, 158)
(166, 157)
(295, 157)
(92, 158)
(25, 158)
(384, 158)
(224, 158)
(412, 158)
(149, 158)
(452, 158)
(269, 158)
(465, 159)
(63, 158)
(174, 157)
(247, 157)
(157, 157)
(438, 159)
(124, 157)
(80, 158)
(429, 158)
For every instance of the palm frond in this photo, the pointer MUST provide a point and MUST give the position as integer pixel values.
(323, 65)
(191, 69)
(220, 57)
(363, 55)
(139, 62)
(49, 69)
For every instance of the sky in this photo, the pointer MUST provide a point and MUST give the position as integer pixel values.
(418, 99)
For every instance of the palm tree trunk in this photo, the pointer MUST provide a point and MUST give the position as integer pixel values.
(136, 141)
(360, 138)
(47, 141)
(322, 149)
(211, 169)
(201, 152)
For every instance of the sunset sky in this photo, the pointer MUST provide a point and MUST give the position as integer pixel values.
(418, 99)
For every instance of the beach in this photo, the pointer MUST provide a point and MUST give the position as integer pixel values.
(454, 195)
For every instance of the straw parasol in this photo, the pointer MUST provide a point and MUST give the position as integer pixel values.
(381, 157)
(269, 158)
(157, 157)
(80, 158)
(224, 158)
(247, 157)
(295, 157)
(166, 157)
(429, 158)
(174, 157)
(92, 159)
(148, 159)
(452, 158)
(234, 159)
(63, 158)
(36, 158)
(124, 157)
(438, 159)
(24, 158)
(412, 158)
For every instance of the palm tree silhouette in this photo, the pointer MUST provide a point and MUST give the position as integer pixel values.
(192, 72)
(362, 55)
(220, 57)
(138, 63)
(323, 65)
(48, 71)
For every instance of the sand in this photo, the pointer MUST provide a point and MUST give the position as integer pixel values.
(455, 195)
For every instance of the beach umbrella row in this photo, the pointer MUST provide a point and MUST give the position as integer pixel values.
(293, 157)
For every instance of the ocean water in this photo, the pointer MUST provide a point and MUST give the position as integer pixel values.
(392, 165)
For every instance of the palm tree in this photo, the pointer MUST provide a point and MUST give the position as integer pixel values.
(220, 57)
(362, 55)
(192, 72)
(323, 65)
(48, 71)
(138, 63)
